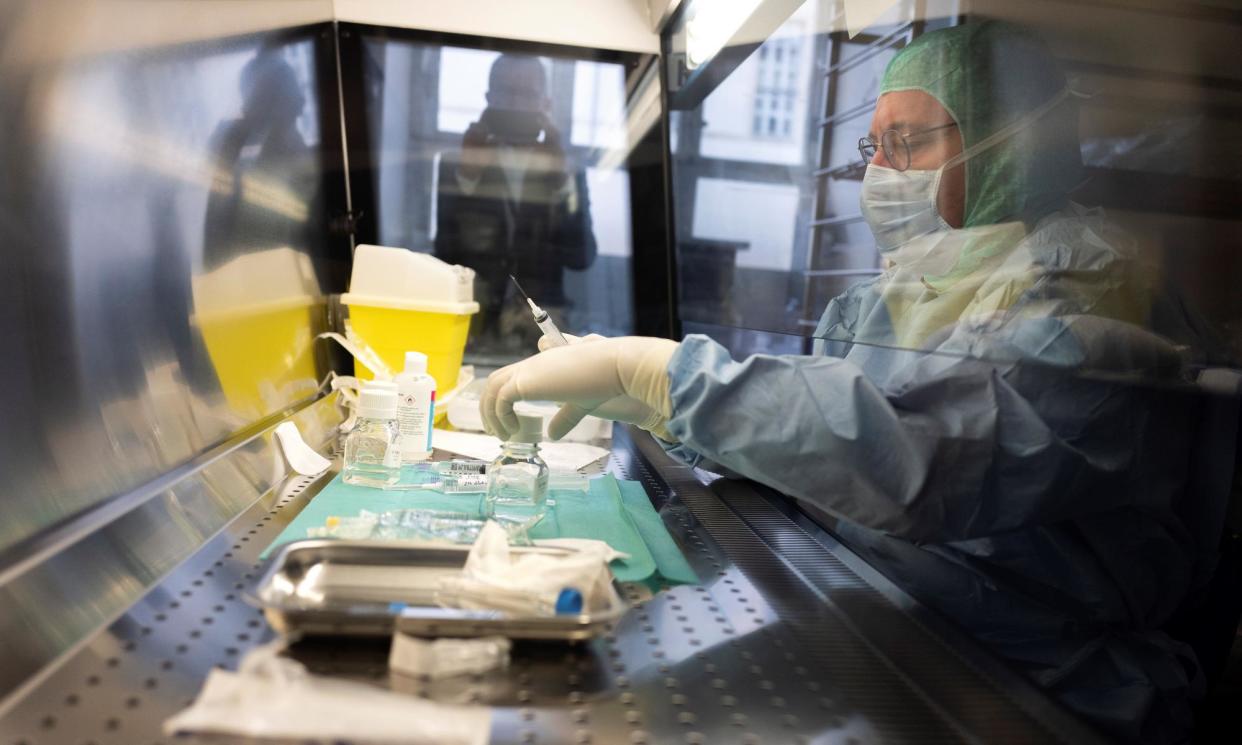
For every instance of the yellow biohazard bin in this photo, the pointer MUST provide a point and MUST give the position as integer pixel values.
(401, 301)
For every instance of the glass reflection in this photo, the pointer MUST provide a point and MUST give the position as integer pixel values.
(509, 203)
(168, 201)
(257, 303)
(266, 177)
(506, 163)
(1016, 404)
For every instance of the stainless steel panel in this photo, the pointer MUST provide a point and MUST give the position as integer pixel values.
(163, 251)
(786, 640)
(74, 582)
(163, 259)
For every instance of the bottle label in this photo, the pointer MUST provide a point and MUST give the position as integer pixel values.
(431, 417)
(415, 413)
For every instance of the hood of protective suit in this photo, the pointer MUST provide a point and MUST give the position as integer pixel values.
(989, 75)
(1019, 128)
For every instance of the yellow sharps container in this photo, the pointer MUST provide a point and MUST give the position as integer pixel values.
(258, 315)
(401, 301)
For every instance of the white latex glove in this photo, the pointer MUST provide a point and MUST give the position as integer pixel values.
(621, 408)
(546, 343)
(624, 379)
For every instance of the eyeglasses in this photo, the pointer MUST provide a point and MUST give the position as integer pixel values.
(896, 146)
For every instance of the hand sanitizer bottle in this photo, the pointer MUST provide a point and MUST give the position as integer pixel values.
(373, 446)
(416, 408)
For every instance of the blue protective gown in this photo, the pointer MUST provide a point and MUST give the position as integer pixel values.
(991, 441)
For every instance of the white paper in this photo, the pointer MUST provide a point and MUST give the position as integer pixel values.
(560, 456)
(301, 457)
(276, 698)
(570, 456)
(445, 658)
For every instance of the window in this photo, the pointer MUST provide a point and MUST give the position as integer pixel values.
(776, 86)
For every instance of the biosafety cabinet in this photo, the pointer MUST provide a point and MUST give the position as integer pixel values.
(186, 184)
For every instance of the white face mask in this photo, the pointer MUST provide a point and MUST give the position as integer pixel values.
(901, 205)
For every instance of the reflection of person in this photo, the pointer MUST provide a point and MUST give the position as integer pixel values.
(267, 178)
(508, 203)
(948, 422)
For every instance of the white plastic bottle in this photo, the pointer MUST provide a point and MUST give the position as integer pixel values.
(416, 408)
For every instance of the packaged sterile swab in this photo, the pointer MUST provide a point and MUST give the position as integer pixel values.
(464, 592)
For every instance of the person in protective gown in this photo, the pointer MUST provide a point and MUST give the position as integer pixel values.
(971, 417)
(510, 202)
(266, 193)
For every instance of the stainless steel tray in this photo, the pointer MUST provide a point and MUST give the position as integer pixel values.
(371, 588)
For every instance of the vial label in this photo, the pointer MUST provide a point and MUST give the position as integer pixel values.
(464, 467)
(466, 484)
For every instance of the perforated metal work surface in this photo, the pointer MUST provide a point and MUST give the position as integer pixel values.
(120, 686)
(768, 649)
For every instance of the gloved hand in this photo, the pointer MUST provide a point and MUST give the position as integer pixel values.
(624, 379)
(620, 408)
(546, 343)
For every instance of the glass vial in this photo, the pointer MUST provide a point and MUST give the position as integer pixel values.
(517, 481)
(373, 446)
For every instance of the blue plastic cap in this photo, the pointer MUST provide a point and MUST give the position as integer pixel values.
(569, 602)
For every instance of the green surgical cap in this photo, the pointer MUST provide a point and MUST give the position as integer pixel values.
(988, 75)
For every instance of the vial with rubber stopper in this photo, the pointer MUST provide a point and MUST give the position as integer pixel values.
(517, 481)
(373, 446)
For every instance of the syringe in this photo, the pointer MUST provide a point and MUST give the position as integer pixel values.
(542, 319)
